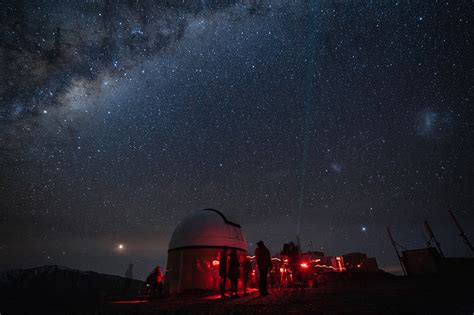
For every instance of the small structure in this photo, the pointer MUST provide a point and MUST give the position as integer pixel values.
(422, 262)
(429, 262)
(360, 262)
(194, 248)
(329, 263)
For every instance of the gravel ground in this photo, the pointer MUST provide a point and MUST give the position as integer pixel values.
(394, 296)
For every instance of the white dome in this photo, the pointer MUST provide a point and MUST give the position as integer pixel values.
(207, 228)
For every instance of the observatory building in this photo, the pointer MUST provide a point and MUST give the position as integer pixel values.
(194, 249)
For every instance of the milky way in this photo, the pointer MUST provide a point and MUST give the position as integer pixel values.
(118, 118)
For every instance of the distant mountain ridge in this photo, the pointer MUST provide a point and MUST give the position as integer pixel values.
(54, 286)
(60, 276)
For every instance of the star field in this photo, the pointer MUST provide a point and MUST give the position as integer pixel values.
(118, 118)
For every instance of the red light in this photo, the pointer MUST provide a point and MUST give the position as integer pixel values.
(281, 270)
(304, 265)
(215, 263)
(338, 258)
(359, 265)
(285, 260)
(130, 302)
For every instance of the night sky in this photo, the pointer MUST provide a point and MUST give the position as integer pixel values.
(334, 118)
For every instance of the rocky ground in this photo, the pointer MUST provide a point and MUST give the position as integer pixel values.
(54, 290)
(398, 295)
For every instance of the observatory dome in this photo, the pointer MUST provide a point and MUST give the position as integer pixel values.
(207, 228)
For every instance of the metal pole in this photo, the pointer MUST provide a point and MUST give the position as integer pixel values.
(180, 275)
(461, 231)
(433, 237)
(396, 250)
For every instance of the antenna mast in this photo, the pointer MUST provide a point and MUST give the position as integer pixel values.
(432, 237)
(396, 250)
(461, 231)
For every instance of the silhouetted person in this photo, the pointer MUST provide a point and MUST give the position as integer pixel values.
(223, 270)
(159, 281)
(292, 251)
(154, 282)
(149, 283)
(234, 272)
(264, 263)
(246, 271)
(273, 277)
(128, 278)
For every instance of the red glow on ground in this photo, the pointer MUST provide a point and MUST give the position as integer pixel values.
(213, 297)
(218, 296)
(130, 302)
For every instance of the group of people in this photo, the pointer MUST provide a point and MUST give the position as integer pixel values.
(229, 267)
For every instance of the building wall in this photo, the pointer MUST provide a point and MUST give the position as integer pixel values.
(193, 269)
(422, 262)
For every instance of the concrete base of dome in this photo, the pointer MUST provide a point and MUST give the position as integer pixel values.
(194, 268)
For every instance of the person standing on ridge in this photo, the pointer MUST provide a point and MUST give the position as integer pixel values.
(264, 263)
(223, 270)
(234, 272)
